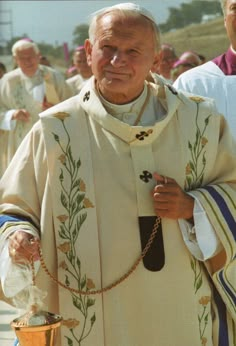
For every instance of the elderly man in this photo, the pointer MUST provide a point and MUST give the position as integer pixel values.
(24, 92)
(84, 71)
(217, 78)
(131, 199)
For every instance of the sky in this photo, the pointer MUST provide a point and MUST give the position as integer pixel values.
(53, 22)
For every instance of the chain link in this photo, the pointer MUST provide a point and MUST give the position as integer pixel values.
(112, 285)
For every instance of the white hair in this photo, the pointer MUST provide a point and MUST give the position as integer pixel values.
(129, 10)
(223, 6)
(24, 44)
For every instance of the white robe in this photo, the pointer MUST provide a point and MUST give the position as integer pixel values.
(208, 80)
(76, 83)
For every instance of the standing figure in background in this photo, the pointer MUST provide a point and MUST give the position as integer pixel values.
(84, 71)
(3, 69)
(190, 57)
(167, 60)
(217, 78)
(132, 200)
(43, 60)
(186, 61)
(24, 93)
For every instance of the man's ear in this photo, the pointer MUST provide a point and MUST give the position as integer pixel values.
(88, 49)
(156, 62)
(15, 60)
(38, 56)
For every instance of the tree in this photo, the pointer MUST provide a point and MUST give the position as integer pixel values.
(80, 34)
(189, 13)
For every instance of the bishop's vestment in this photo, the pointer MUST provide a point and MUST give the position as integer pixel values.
(90, 178)
(18, 91)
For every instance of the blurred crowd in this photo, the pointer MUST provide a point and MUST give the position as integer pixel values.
(171, 65)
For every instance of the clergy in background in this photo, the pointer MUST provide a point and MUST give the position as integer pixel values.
(217, 78)
(24, 93)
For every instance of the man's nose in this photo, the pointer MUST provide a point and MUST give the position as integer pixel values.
(118, 58)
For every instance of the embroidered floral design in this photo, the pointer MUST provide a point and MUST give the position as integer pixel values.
(197, 99)
(203, 301)
(63, 265)
(70, 323)
(75, 204)
(65, 247)
(197, 270)
(62, 218)
(20, 98)
(82, 186)
(194, 171)
(195, 167)
(203, 318)
(87, 203)
(61, 115)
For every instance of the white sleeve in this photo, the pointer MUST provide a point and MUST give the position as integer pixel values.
(201, 239)
(38, 93)
(13, 277)
(7, 123)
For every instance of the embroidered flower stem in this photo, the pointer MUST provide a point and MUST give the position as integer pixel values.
(73, 201)
(196, 166)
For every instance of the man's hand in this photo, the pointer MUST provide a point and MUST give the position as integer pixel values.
(23, 247)
(170, 200)
(21, 115)
(46, 104)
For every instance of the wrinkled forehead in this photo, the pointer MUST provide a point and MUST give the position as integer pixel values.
(122, 17)
(122, 24)
(26, 51)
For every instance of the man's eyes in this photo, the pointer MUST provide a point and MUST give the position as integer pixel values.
(110, 49)
(233, 8)
(133, 51)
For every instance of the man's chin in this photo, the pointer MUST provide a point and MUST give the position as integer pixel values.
(29, 72)
(116, 82)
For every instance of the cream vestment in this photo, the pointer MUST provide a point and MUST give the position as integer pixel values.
(90, 178)
(17, 91)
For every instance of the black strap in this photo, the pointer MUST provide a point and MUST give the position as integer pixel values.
(154, 259)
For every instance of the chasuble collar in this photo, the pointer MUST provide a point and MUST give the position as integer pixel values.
(128, 112)
(34, 79)
(135, 135)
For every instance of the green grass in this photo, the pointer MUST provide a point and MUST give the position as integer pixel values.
(209, 38)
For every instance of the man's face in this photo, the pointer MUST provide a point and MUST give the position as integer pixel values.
(166, 62)
(80, 62)
(230, 21)
(28, 61)
(122, 56)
